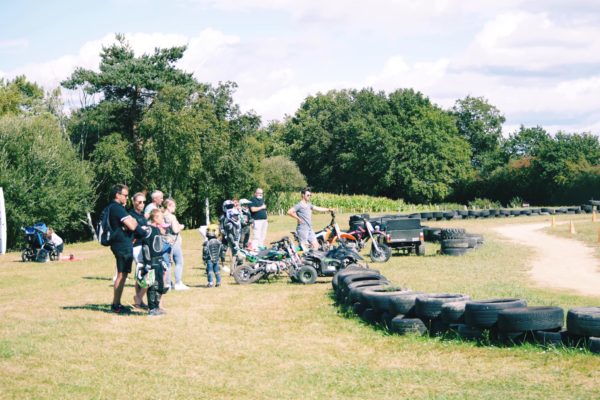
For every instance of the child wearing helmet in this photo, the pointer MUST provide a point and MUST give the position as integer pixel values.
(211, 250)
(152, 274)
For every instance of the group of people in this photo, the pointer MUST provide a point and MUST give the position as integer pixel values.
(149, 237)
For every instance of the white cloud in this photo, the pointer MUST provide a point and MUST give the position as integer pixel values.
(527, 60)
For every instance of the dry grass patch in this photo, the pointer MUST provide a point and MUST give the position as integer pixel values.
(269, 341)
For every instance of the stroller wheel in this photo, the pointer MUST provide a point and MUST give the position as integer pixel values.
(53, 256)
(26, 255)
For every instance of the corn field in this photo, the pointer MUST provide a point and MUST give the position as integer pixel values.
(281, 202)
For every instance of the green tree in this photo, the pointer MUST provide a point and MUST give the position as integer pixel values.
(42, 177)
(525, 142)
(367, 142)
(19, 96)
(480, 123)
(128, 85)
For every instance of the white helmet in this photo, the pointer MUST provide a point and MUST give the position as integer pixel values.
(227, 205)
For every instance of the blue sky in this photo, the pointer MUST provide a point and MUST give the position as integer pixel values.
(538, 62)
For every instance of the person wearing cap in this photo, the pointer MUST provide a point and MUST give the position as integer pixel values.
(258, 211)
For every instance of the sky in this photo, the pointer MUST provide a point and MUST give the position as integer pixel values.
(538, 62)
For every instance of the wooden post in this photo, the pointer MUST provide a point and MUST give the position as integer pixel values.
(594, 215)
(553, 222)
(572, 228)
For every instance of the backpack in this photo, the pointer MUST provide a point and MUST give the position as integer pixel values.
(103, 230)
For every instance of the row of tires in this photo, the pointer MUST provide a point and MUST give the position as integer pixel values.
(453, 241)
(507, 321)
(491, 213)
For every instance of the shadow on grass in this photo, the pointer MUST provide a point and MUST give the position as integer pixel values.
(98, 278)
(105, 308)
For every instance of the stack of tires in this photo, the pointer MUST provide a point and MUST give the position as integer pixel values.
(456, 241)
(368, 294)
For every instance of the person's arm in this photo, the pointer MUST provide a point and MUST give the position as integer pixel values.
(255, 209)
(323, 209)
(130, 223)
(292, 213)
(176, 227)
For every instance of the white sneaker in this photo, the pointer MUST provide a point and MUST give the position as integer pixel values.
(181, 286)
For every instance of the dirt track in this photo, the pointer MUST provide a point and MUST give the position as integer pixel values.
(558, 262)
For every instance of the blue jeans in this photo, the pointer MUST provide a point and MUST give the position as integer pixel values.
(213, 268)
(177, 254)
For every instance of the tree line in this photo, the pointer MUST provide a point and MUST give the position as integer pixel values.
(148, 124)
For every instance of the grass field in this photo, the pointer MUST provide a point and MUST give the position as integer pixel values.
(274, 340)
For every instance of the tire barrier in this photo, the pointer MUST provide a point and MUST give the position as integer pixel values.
(499, 321)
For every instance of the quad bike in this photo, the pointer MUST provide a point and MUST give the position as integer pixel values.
(320, 263)
(280, 258)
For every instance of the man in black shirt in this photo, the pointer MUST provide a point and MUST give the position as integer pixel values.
(123, 225)
(258, 209)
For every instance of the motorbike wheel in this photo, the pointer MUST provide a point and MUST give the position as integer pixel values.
(246, 274)
(307, 275)
(384, 253)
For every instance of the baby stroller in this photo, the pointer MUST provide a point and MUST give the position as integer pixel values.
(38, 248)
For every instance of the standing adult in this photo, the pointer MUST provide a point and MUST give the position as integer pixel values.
(157, 201)
(174, 229)
(258, 210)
(122, 226)
(137, 212)
(302, 213)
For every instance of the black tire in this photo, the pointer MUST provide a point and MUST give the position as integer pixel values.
(430, 305)
(453, 312)
(245, 275)
(472, 243)
(25, 256)
(436, 326)
(357, 292)
(584, 321)
(349, 270)
(549, 338)
(512, 338)
(421, 249)
(344, 281)
(307, 275)
(452, 233)
(467, 332)
(530, 319)
(455, 243)
(378, 297)
(431, 234)
(450, 251)
(345, 295)
(403, 303)
(476, 237)
(53, 256)
(405, 326)
(358, 308)
(426, 215)
(386, 319)
(370, 315)
(594, 345)
(484, 313)
(383, 255)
